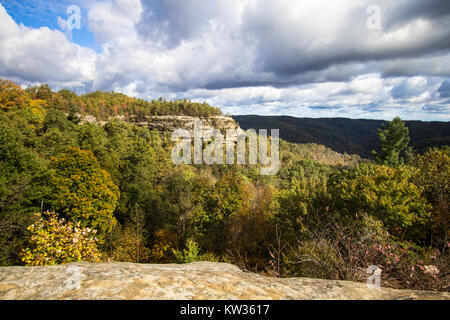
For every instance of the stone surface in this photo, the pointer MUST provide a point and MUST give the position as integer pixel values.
(200, 280)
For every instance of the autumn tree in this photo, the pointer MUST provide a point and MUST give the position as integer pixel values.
(56, 241)
(11, 95)
(83, 191)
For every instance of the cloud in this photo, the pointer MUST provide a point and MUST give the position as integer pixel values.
(111, 21)
(296, 57)
(62, 23)
(42, 55)
(409, 88)
(432, 65)
(406, 10)
(444, 89)
(296, 37)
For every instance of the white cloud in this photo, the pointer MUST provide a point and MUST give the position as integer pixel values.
(113, 21)
(42, 55)
(252, 56)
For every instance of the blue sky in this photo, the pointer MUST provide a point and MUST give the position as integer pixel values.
(373, 59)
(40, 13)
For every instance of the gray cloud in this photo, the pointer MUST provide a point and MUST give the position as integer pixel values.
(444, 89)
(169, 21)
(406, 10)
(304, 58)
(310, 40)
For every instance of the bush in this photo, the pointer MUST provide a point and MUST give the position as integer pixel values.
(55, 241)
(346, 252)
(162, 250)
(129, 247)
(188, 255)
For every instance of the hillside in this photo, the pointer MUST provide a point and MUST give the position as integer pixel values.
(87, 178)
(194, 281)
(346, 135)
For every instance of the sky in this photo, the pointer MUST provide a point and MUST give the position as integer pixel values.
(372, 59)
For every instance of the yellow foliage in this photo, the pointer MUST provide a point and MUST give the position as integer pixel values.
(55, 241)
(38, 109)
(11, 95)
(162, 250)
(83, 190)
(130, 247)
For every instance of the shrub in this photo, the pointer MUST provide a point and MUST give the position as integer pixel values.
(129, 247)
(188, 255)
(162, 250)
(346, 252)
(55, 241)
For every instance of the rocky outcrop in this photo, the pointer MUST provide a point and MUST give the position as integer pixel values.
(201, 280)
(170, 123)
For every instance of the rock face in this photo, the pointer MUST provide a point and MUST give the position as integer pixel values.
(200, 280)
(170, 123)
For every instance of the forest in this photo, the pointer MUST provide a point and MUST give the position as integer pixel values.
(73, 191)
(339, 133)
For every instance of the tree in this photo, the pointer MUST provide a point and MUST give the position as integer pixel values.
(394, 138)
(73, 117)
(44, 92)
(83, 191)
(188, 255)
(129, 246)
(385, 193)
(55, 241)
(301, 205)
(212, 221)
(434, 176)
(11, 95)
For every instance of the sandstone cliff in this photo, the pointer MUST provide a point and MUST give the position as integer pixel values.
(201, 280)
(170, 123)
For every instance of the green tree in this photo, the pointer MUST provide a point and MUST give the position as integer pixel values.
(188, 255)
(226, 197)
(83, 191)
(434, 176)
(301, 205)
(73, 117)
(23, 185)
(385, 193)
(394, 138)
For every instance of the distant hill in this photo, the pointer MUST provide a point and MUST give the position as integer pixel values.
(346, 135)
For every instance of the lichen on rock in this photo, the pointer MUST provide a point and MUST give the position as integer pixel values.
(198, 280)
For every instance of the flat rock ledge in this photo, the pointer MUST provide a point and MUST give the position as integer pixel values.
(200, 280)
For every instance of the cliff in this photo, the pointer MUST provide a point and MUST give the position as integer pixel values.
(201, 280)
(170, 123)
